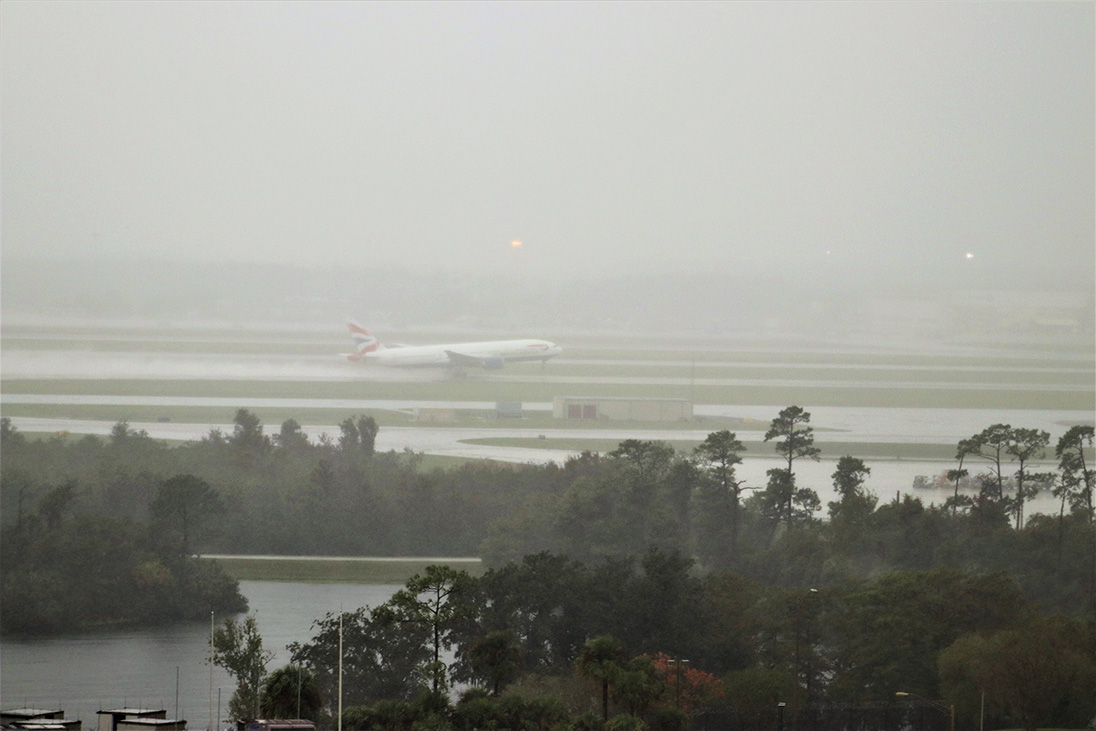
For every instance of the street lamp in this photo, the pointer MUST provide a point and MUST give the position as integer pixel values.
(942, 707)
(780, 710)
(678, 662)
(795, 668)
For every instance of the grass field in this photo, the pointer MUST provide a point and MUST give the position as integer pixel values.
(272, 417)
(822, 393)
(325, 570)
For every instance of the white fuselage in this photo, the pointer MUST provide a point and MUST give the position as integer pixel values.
(490, 354)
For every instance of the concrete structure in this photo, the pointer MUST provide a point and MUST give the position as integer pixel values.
(17, 715)
(152, 724)
(622, 408)
(277, 724)
(434, 416)
(38, 719)
(138, 719)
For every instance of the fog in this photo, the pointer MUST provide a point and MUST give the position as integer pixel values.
(717, 166)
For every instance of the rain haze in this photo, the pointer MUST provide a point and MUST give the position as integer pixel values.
(667, 220)
(668, 151)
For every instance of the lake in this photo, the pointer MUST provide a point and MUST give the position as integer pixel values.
(85, 673)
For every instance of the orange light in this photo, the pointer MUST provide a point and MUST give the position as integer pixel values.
(515, 243)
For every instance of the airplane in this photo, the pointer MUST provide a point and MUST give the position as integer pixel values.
(490, 355)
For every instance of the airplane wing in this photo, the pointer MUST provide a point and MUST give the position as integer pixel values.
(464, 360)
(467, 361)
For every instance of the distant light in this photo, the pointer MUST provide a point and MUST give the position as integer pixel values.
(970, 255)
(515, 243)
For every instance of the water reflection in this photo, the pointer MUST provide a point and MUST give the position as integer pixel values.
(85, 673)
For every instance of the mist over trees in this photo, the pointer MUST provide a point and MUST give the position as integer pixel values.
(245, 492)
(607, 641)
(668, 554)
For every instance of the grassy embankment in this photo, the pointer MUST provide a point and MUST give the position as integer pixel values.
(829, 450)
(325, 569)
(894, 387)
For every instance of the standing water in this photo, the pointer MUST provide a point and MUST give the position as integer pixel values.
(165, 667)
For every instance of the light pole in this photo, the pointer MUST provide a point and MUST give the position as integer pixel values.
(677, 680)
(942, 707)
(780, 712)
(795, 631)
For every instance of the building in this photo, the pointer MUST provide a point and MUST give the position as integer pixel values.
(434, 415)
(38, 719)
(622, 408)
(138, 719)
(20, 715)
(276, 724)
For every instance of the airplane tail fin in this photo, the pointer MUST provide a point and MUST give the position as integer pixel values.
(364, 341)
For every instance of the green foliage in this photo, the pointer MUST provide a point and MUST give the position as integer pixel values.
(318, 498)
(439, 600)
(624, 722)
(851, 643)
(1040, 675)
(89, 571)
(602, 660)
(247, 437)
(782, 504)
(291, 439)
(885, 635)
(358, 436)
(796, 439)
(754, 693)
(639, 685)
(56, 503)
(291, 692)
(181, 504)
(601, 545)
(991, 444)
(238, 648)
(719, 504)
(384, 715)
(543, 601)
(495, 659)
(669, 719)
(620, 506)
(381, 659)
(1076, 484)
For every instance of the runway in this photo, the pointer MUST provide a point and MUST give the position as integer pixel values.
(1067, 376)
(613, 365)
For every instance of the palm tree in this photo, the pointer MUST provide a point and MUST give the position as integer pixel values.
(602, 659)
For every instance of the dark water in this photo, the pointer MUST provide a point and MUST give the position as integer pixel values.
(82, 674)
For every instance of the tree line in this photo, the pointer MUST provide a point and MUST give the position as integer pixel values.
(61, 570)
(285, 494)
(654, 554)
(646, 643)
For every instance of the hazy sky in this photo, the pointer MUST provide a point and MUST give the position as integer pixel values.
(604, 136)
